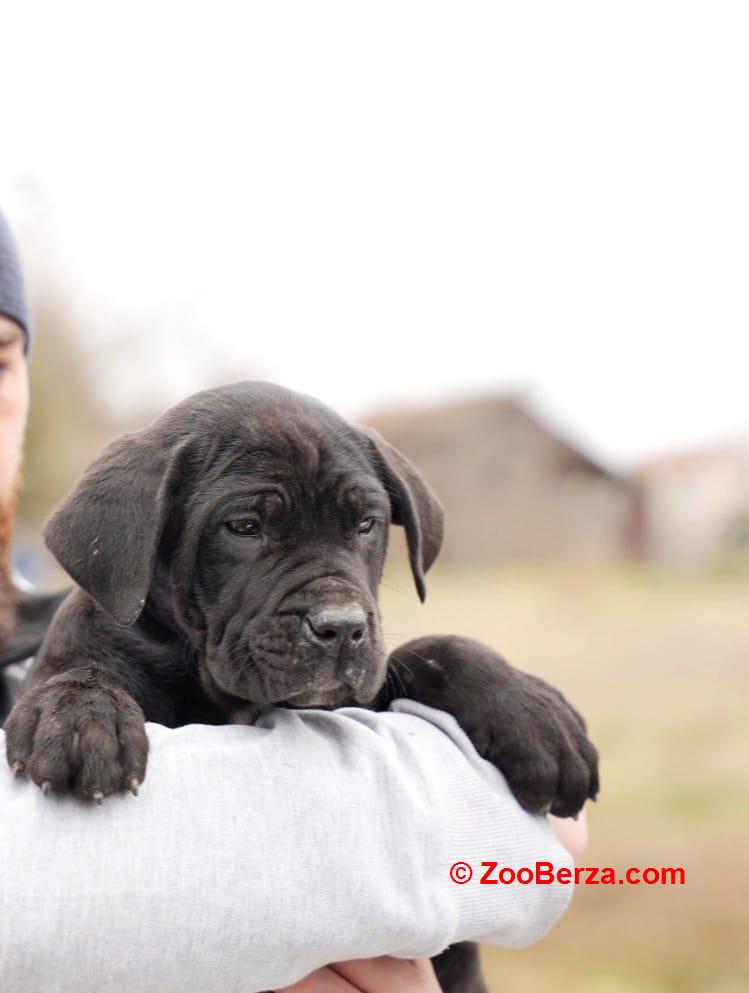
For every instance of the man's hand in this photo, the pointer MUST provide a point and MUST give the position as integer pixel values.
(380, 975)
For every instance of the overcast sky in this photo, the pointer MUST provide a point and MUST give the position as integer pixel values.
(397, 202)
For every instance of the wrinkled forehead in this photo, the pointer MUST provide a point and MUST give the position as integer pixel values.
(251, 434)
(294, 470)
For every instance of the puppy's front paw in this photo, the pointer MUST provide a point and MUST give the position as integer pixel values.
(77, 732)
(540, 743)
(516, 721)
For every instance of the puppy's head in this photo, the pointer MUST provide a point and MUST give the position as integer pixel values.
(257, 519)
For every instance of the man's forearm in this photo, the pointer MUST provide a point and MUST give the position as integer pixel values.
(255, 855)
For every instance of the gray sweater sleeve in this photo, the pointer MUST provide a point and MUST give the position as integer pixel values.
(255, 855)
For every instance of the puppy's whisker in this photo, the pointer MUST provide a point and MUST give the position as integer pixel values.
(416, 655)
(396, 684)
(391, 586)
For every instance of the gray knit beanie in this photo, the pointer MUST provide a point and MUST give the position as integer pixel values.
(13, 302)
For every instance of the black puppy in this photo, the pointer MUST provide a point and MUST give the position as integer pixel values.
(227, 559)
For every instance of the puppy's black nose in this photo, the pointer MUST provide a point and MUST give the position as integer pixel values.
(338, 626)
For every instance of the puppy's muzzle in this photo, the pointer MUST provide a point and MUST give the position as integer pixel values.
(340, 629)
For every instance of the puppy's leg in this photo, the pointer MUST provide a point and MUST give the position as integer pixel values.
(458, 969)
(79, 725)
(515, 720)
(79, 732)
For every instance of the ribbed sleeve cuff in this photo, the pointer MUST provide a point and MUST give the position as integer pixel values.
(481, 822)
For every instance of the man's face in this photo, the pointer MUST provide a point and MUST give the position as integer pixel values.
(14, 405)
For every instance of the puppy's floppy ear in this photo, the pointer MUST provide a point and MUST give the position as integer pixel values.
(106, 532)
(414, 506)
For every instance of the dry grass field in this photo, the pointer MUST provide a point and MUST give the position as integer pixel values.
(660, 667)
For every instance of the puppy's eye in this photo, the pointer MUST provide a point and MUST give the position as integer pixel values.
(247, 527)
(366, 525)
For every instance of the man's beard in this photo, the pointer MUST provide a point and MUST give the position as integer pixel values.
(8, 593)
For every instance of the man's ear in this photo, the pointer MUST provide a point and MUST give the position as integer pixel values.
(106, 532)
(413, 505)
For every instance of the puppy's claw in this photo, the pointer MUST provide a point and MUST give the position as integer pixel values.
(134, 784)
(18, 768)
(98, 797)
(46, 787)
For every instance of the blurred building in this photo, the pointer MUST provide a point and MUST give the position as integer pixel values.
(512, 488)
(697, 505)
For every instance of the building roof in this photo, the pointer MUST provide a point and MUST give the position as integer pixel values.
(417, 424)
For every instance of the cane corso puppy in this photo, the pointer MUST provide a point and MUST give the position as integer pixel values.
(227, 560)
